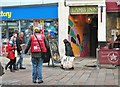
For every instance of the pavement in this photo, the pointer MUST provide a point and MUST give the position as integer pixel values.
(85, 73)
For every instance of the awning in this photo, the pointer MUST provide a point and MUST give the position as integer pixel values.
(113, 5)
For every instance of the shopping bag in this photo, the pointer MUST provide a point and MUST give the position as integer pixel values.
(16, 53)
(67, 62)
(63, 60)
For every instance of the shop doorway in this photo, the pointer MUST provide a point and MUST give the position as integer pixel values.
(82, 33)
(93, 35)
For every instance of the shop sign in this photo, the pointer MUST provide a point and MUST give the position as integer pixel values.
(118, 2)
(5, 14)
(113, 57)
(109, 56)
(83, 10)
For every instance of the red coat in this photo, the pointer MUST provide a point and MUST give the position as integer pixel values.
(11, 51)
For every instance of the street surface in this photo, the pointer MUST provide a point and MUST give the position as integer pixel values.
(85, 73)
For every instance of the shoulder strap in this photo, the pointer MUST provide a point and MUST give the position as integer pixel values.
(38, 42)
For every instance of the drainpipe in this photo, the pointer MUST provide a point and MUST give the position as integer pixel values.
(19, 26)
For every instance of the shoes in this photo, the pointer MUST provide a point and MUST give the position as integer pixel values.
(22, 68)
(41, 81)
(34, 81)
(11, 70)
(15, 69)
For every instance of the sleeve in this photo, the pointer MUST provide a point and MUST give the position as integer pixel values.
(46, 43)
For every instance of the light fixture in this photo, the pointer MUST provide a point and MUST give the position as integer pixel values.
(88, 19)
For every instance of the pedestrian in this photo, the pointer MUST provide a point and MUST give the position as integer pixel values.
(28, 33)
(20, 44)
(68, 48)
(14, 43)
(11, 54)
(37, 47)
(67, 62)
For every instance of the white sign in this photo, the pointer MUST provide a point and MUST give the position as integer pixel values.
(113, 57)
(118, 2)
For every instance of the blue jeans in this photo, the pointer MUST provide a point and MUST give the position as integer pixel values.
(20, 61)
(37, 68)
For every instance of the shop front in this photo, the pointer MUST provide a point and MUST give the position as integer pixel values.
(19, 18)
(113, 19)
(86, 26)
(110, 52)
(82, 30)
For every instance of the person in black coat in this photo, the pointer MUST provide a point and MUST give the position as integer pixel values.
(68, 48)
(20, 44)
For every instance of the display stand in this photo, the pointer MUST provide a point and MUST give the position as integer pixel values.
(55, 56)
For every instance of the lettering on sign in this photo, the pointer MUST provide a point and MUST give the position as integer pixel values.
(6, 14)
(83, 10)
(35, 47)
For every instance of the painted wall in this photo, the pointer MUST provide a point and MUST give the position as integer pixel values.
(78, 35)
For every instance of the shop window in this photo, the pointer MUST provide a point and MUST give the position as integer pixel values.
(49, 26)
(113, 24)
(4, 30)
(12, 26)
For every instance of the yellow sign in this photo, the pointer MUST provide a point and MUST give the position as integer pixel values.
(6, 14)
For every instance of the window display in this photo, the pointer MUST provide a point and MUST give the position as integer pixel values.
(49, 26)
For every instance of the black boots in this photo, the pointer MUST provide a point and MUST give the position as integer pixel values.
(11, 70)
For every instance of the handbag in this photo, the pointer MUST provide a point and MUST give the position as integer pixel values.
(67, 62)
(45, 55)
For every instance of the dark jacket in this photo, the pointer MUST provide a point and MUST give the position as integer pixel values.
(18, 43)
(68, 49)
